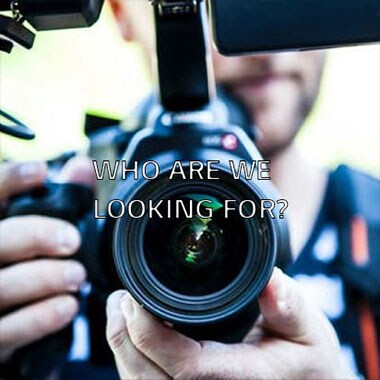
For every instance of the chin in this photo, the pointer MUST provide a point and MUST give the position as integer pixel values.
(273, 141)
(276, 129)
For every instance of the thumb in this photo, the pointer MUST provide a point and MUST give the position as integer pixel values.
(78, 170)
(285, 310)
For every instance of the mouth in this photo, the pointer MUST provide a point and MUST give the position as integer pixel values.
(260, 83)
(260, 89)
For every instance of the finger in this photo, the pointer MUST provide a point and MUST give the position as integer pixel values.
(34, 322)
(285, 310)
(29, 236)
(79, 170)
(30, 281)
(16, 177)
(131, 363)
(182, 358)
(168, 349)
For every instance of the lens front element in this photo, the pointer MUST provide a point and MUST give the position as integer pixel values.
(195, 255)
(188, 263)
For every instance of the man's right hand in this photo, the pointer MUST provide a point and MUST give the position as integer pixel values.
(35, 284)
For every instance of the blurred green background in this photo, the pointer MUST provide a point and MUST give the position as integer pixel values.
(70, 72)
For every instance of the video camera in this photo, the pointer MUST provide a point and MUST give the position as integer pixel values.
(202, 274)
(231, 258)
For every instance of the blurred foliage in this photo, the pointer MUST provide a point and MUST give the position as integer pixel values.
(70, 72)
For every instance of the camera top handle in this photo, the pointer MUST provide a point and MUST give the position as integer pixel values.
(184, 65)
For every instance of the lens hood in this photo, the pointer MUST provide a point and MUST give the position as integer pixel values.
(135, 271)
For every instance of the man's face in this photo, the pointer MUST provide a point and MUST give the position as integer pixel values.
(278, 89)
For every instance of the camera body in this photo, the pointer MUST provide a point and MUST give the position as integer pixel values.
(216, 297)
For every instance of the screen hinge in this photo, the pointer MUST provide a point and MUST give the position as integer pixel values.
(176, 7)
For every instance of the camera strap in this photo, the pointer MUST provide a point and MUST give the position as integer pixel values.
(356, 211)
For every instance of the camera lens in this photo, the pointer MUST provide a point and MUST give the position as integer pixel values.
(199, 251)
(190, 261)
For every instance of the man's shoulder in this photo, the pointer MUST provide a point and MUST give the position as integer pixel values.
(355, 204)
(356, 193)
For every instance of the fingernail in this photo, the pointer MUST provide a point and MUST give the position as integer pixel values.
(30, 170)
(127, 305)
(74, 275)
(68, 240)
(280, 285)
(67, 308)
(113, 301)
(282, 306)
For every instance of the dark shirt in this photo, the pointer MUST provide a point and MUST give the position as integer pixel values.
(316, 271)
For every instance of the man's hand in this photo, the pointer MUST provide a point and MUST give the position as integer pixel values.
(35, 285)
(291, 340)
